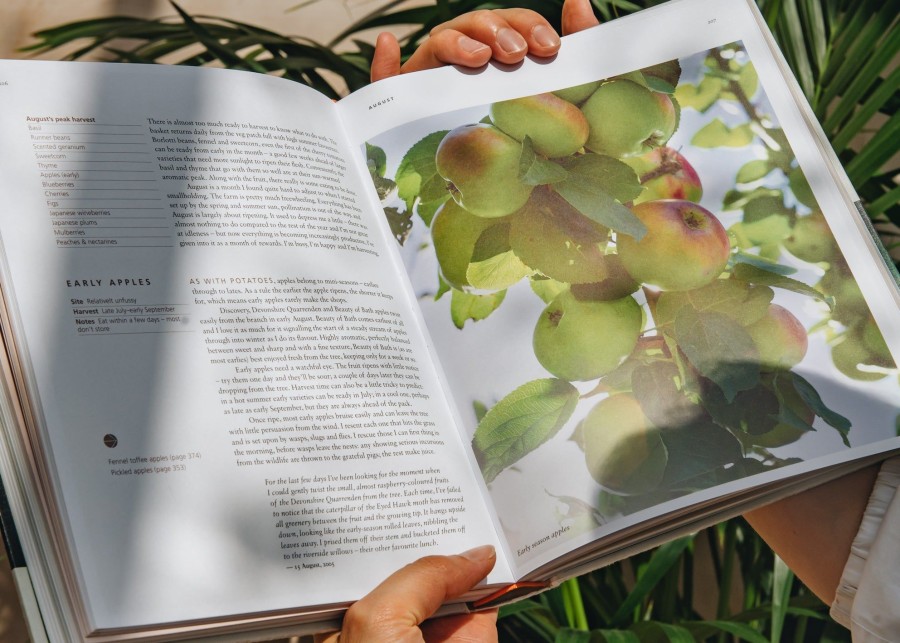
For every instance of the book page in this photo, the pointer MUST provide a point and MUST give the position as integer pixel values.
(230, 382)
(647, 289)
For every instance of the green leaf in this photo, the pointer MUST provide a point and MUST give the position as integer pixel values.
(876, 153)
(662, 560)
(762, 263)
(497, 272)
(663, 77)
(376, 159)
(743, 302)
(618, 636)
(757, 274)
(781, 592)
(700, 97)
(521, 422)
(547, 289)
(609, 174)
(418, 167)
(536, 170)
(740, 630)
(465, 306)
(753, 171)
(399, 222)
(814, 401)
(569, 635)
(717, 134)
(597, 205)
(747, 82)
(696, 449)
(736, 199)
(719, 348)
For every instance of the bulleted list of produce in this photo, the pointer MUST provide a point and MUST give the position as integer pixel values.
(99, 183)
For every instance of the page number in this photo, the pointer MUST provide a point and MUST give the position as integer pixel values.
(709, 22)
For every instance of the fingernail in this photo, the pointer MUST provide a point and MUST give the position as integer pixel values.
(545, 36)
(471, 46)
(479, 554)
(511, 41)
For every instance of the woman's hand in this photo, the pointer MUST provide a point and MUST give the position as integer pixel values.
(473, 39)
(394, 611)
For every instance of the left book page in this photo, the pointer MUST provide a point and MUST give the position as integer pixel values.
(227, 377)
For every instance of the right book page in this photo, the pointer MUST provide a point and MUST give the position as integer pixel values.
(645, 287)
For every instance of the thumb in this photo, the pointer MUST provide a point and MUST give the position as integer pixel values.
(386, 61)
(409, 596)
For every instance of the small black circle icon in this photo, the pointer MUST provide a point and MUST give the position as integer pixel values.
(110, 440)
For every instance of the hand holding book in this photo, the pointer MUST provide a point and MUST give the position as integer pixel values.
(471, 40)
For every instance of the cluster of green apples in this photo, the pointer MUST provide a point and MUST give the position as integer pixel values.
(593, 327)
(855, 340)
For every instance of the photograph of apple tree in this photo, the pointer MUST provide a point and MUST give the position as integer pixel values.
(670, 308)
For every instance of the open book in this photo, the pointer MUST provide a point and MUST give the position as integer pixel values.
(263, 349)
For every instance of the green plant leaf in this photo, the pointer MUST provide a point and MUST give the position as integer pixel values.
(700, 97)
(547, 289)
(762, 264)
(663, 77)
(753, 171)
(617, 636)
(742, 631)
(717, 134)
(569, 635)
(719, 348)
(744, 303)
(497, 272)
(522, 421)
(611, 175)
(376, 162)
(781, 591)
(417, 168)
(594, 203)
(536, 170)
(399, 222)
(697, 449)
(814, 401)
(662, 560)
(465, 306)
(758, 274)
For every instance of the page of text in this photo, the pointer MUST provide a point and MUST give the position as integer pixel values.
(239, 404)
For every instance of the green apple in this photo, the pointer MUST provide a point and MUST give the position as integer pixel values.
(481, 164)
(578, 93)
(628, 119)
(582, 340)
(665, 174)
(810, 239)
(454, 232)
(552, 237)
(780, 339)
(623, 450)
(556, 126)
(685, 246)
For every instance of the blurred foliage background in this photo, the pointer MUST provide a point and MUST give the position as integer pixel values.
(723, 584)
